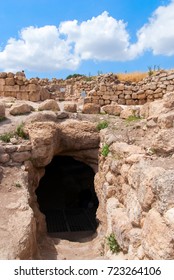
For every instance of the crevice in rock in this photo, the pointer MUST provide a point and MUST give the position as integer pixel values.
(67, 198)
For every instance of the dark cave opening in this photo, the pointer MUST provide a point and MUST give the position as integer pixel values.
(66, 196)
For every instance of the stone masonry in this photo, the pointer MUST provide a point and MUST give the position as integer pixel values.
(101, 90)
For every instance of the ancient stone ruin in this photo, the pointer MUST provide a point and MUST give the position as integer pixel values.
(75, 169)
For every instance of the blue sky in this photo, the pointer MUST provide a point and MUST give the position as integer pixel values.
(53, 38)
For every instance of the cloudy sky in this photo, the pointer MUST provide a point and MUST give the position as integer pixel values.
(55, 38)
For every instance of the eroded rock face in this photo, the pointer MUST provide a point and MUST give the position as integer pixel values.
(22, 224)
(134, 183)
(157, 237)
(18, 225)
(49, 139)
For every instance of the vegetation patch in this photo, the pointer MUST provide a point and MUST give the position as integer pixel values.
(6, 137)
(105, 150)
(74, 76)
(20, 131)
(113, 244)
(133, 118)
(18, 185)
(132, 77)
(102, 125)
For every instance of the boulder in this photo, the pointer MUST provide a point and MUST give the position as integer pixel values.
(49, 105)
(129, 111)
(157, 237)
(90, 108)
(70, 107)
(21, 109)
(163, 142)
(112, 109)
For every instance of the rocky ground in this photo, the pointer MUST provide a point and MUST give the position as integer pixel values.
(134, 183)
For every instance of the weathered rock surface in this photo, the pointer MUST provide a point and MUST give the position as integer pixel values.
(112, 109)
(70, 108)
(157, 237)
(21, 109)
(49, 105)
(90, 108)
(49, 139)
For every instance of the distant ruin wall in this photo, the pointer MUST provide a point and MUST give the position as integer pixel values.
(101, 90)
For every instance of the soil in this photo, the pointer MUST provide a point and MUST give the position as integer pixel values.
(86, 248)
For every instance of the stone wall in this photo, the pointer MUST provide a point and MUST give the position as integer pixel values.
(102, 90)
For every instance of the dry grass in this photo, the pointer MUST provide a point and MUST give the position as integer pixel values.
(132, 77)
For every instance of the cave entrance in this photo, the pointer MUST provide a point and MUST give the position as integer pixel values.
(66, 196)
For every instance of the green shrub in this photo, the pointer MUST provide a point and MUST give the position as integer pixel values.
(113, 244)
(20, 131)
(102, 125)
(105, 150)
(74, 76)
(6, 137)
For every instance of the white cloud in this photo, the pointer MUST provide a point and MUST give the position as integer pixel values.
(158, 34)
(38, 49)
(101, 38)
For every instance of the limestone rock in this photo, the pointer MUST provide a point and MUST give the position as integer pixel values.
(163, 142)
(128, 112)
(21, 156)
(112, 109)
(21, 109)
(133, 208)
(121, 228)
(169, 100)
(166, 120)
(9, 81)
(42, 117)
(49, 105)
(70, 108)
(90, 108)
(123, 149)
(157, 238)
(44, 94)
(4, 158)
(34, 96)
(72, 132)
(43, 137)
(169, 218)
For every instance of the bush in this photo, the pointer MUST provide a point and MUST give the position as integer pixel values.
(113, 244)
(20, 131)
(105, 150)
(6, 137)
(102, 125)
(74, 76)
